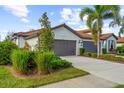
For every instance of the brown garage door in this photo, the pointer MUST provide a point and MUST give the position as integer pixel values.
(64, 47)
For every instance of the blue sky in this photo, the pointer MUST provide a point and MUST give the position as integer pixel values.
(24, 18)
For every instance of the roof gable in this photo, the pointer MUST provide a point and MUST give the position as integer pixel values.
(106, 36)
(86, 33)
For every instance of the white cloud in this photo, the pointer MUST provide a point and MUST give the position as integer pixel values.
(107, 30)
(17, 10)
(106, 25)
(25, 20)
(71, 16)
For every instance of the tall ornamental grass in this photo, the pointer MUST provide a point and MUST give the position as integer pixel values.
(20, 59)
(43, 61)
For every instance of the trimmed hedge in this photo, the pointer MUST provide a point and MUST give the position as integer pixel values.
(58, 63)
(89, 54)
(108, 57)
(111, 58)
(6, 49)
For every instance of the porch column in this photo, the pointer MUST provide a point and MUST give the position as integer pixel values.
(115, 43)
(101, 46)
(107, 45)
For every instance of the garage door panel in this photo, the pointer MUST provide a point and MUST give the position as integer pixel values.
(64, 47)
(89, 46)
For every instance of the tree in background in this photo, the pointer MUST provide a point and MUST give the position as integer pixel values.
(96, 15)
(9, 36)
(46, 37)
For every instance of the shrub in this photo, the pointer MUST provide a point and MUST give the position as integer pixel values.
(58, 63)
(94, 55)
(90, 54)
(20, 60)
(43, 61)
(106, 56)
(6, 49)
(87, 54)
(120, 50)
(82, 51)
(48, 61)
(104, 51)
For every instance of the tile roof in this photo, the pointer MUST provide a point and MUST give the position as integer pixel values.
(29, 33)
(36, 32)
(85, 34)
(102, 37)
(84, 31)
(120, 40)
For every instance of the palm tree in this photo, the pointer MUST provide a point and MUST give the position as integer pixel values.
(121, 24)
(121, 32)
(96, 15)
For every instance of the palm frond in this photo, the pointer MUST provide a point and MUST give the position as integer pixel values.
(116, 14)
(90, 20)
(112, 24)
(108, 15)
(97, 8)
(121, 31)
(85, 11)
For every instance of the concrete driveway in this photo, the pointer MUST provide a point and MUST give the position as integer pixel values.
(104, 69)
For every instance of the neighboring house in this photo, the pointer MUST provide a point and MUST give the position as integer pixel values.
(107, 41)
(67, 41)
(120, 41)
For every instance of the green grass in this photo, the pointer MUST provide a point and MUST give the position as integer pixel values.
(7, 80)
(119, 86)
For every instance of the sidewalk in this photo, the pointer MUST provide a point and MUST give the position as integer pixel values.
(88, 81)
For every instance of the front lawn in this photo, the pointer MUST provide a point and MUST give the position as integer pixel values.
(7, 80)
